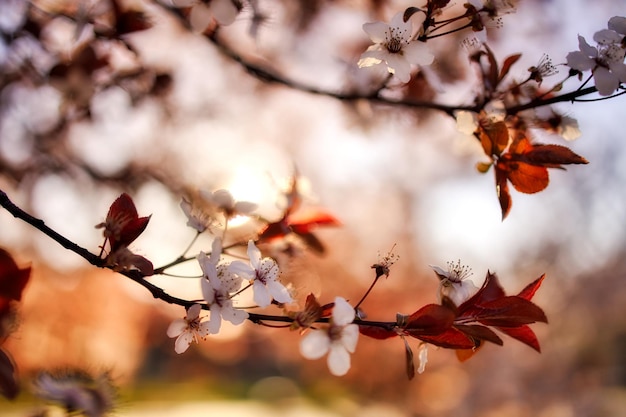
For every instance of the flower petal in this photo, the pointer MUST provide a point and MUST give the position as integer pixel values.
(422, 355)
(183, 342)
(607, 37)
(177, 327)
(254, 254)
(400, 67)
(242, 269)
(262, 296)
(315, 344)
(377, 31)
(618, 24)
(215, 322)
(208, 292)
(606, 81)
(233, 315)
(418, 53)
(579, 61)
(279, 292)
(200, 17)
(338, 360)
(585, 48)
(343, 312)
(350, 337)
(194, 312)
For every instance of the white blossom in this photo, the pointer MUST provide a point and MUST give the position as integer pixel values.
(606, 61)
(339, 339)
(263, 274)
(395, 45)
(201, 14)
(454, 283)
(188, 329)
(217, 285)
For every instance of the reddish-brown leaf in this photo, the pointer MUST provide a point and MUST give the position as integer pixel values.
(524, 334)
(450, 339)
(478, 332)
(510, 311)
(431, 319)
(465, 354)
(502, 190)
(553, 156)
(410, 363)
(526, 178)
(507, 64)
(376, 332)
(304, 220)
(529, 291)
(489, 291)
(494, 137)
(12, 279)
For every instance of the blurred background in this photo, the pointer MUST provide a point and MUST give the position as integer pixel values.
(160, 111)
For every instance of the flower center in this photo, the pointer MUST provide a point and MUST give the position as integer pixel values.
(394, 41)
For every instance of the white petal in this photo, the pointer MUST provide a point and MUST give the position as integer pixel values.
(315, 344)
(418, 53)
(269, 268)
(176, 328)
(400, 67)
(262, 296)
(366, 61)
(215, 322)
(440, 272)
(208, 292)
(233, 315)
(377, 31)
(194, 312)
(343, 312)
(618, 24)
(397, 22)
(230, 281)
(183, 342)
(619, 69)
(254, 254)
(585, 48)
(204, 329)
(350, 337)
(338, 360)
(607, 37)
(279, 292)
(606, 82)
(224, 10)
(242, 269)
(579, 61)
(216, 250)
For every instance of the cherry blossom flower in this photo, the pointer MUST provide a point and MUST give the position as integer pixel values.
(196, 217)
(188, 329)
(203, 12)
(224, 202)
(338, 340)
(606, 61)
(217, 286)
(454, 283)
(395, 45)
(263, 273)
(488, 13)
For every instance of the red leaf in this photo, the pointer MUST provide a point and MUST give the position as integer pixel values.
(449, 339)
(502, 190)
(511, 311)
(479, 333)
(529, 291)
(507, 64)
(526, 178)
(553, 156)
(12, 279)
(376, 332)
(9, 387)
(304, 220)
(465, 354)
(490, 290)
(432, 319)
(524, 334)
